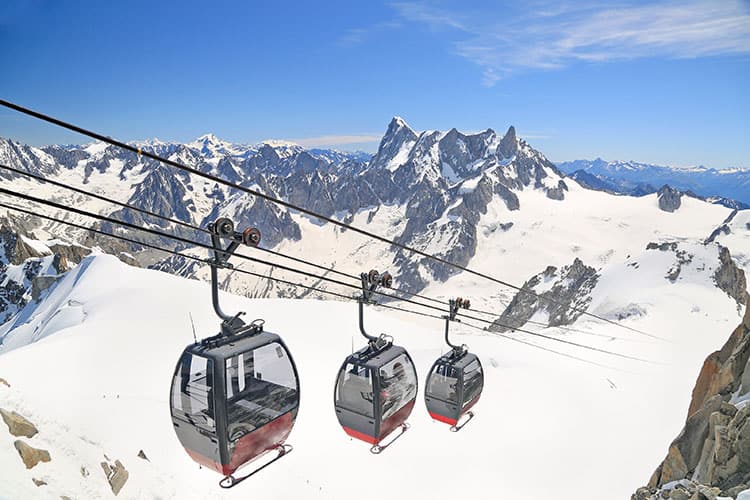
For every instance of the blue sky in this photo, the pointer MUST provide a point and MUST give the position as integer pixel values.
(662, 82)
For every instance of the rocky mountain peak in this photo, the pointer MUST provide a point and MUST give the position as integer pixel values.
(508, 144)
(398, 131)
(397, 122)
(395, 145)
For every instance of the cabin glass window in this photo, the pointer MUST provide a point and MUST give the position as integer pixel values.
(354, 389)
(398, 385)
(192, 393)
(443, 383)
(473, 381)
(261, 386)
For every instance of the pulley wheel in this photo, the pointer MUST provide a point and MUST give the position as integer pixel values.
(251, 237)
(224, 227)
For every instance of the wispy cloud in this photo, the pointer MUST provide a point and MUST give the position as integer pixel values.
(554, 35)
(336, 140)
(357, 36)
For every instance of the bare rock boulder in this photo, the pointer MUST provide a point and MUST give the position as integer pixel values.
(18, 425)
(30, 455)
(117, 475)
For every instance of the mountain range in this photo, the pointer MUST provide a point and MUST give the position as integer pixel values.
(441, 183)
(485, 200)
(730, 187)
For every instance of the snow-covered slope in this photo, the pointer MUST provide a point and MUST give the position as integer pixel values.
(546, 426)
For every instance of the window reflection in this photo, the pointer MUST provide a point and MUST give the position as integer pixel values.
(192, 394)
(473, 381)
(443, 383)
(354, 389)
(261, 387)
(398, 384)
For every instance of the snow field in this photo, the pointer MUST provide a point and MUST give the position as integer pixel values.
(545, 425)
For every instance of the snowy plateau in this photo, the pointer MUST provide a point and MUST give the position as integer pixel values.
(92, 328)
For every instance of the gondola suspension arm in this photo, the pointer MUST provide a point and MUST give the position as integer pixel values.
(370, 282)
(453, 306)
(223, 228)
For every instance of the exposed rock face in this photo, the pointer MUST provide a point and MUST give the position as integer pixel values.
(730, 278)
(558, 193)
(713, 450)
(38, 264)
(30, 455)
(15, 253)
(670, 199)
(128, 259)
(560, 291)
(17, 424)
(67, 256)
(508, 145)
(722, 229)
(40, 284)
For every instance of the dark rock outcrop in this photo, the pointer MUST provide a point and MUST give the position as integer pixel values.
(41, 266)
(40, 284)
(730, 278)
(670, 199)
(508, 144)
(564, 299)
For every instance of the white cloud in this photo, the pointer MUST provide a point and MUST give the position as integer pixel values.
(553, 35)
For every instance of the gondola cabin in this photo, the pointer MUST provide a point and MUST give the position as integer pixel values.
(453, 387)
(375, 392)
(234, 398)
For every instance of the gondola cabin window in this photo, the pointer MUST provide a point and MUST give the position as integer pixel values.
(444, 383)
(192, 396)
(473, 381)
(398, 385)
(260, 386)
(354, 389)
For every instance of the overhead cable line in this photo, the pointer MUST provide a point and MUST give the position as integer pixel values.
(189, 242)
(273, 252)
(202, 261)
(564, 354)
(159, 216)
(304, 273)
(286, 282)
(267, 250)
(292, 206)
